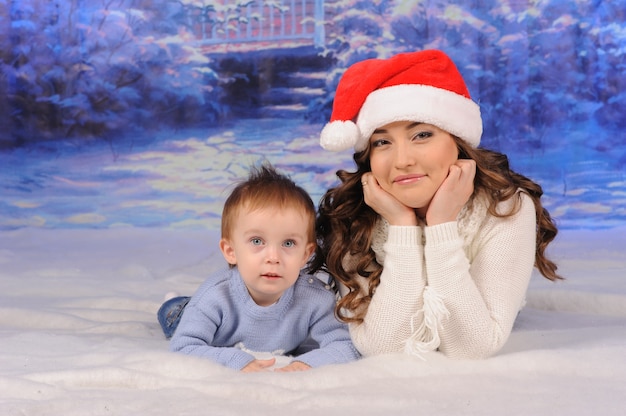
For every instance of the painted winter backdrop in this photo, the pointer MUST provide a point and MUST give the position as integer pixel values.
(143, 112)
(125, 122)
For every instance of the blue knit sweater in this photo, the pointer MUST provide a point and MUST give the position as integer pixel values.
(222, 321)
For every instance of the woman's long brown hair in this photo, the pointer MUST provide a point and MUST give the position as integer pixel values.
(345, 224)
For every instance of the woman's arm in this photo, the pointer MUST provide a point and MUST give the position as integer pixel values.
(387, 324)
(484, 298)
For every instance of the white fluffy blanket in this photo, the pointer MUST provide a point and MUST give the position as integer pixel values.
(79, 336)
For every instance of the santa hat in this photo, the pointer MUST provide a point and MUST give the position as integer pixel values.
(422, 86)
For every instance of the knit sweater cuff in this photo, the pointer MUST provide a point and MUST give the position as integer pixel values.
(400, 235)
(441, 233)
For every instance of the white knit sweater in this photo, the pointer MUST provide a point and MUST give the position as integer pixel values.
(456, 287)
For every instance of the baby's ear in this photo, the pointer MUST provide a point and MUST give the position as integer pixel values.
(228, 251)
(310, 249)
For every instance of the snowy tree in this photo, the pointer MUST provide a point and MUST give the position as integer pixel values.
(94, 68)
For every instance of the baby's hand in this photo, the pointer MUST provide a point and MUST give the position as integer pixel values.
(294, 366)
(258, 365)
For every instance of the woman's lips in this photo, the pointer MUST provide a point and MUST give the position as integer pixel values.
(408, 179)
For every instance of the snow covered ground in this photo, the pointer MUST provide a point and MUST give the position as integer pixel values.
(180, 179)
(79, 336)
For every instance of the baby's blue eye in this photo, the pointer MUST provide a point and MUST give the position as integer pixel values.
(289, 243)
(256, 241)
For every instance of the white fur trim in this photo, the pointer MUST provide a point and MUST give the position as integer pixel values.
(445, 109)
(339, 135)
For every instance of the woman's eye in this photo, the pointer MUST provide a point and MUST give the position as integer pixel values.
(379, 142)
(289, 243)
(256, 241)
(422, 135)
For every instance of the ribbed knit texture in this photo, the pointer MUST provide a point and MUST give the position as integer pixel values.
(478, 266)
(221, 320)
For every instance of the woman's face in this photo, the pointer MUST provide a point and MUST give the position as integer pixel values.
(411, 160)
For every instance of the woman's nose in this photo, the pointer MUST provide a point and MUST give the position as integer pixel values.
(403, 156)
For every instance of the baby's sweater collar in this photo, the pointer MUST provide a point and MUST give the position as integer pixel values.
(240, 291)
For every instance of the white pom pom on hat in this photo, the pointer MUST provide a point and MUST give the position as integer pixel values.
(422, 86)
(339, 135)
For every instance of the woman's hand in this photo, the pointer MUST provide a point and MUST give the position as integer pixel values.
(385, 205)
(453, 193)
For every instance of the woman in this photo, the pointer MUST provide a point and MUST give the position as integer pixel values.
(432, 240)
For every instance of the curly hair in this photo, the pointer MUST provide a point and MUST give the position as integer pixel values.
(345, 223)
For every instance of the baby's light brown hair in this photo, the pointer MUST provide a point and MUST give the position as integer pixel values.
(266, 188)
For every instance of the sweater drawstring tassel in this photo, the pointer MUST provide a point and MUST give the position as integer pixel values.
(425, 337)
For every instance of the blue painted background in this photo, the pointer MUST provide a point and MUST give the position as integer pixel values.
(142, 113)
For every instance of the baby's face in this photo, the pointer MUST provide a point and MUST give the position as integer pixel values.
(269, 246)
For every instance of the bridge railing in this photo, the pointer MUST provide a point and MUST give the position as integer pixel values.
(258, 21)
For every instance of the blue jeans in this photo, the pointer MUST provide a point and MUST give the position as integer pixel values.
(169, 314)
